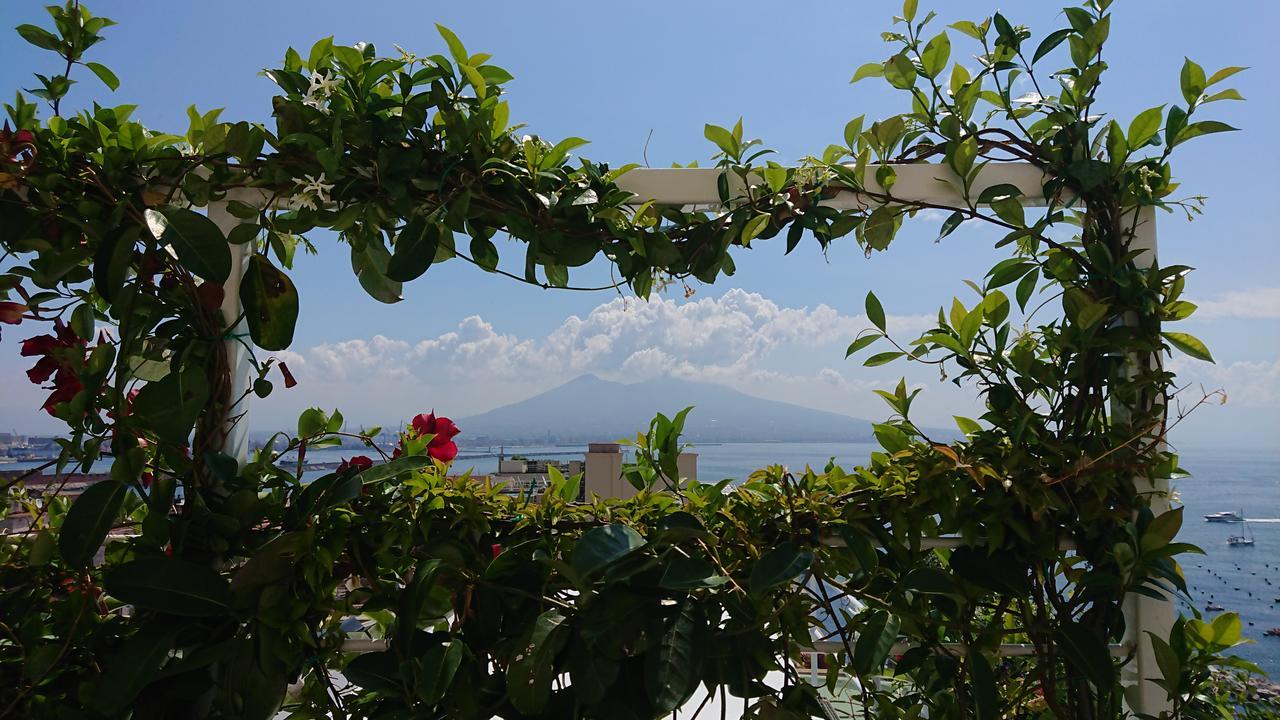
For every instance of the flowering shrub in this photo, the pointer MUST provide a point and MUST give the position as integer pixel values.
(244, 583)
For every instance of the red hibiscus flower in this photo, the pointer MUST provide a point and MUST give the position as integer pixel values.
(59, 354)
(357, 463)
(441, 446)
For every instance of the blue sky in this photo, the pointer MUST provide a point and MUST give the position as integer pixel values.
(463, 341)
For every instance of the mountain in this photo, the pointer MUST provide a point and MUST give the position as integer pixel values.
(589, 409)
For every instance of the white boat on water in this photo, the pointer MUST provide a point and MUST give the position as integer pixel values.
(1240, 540)
(1226, 516)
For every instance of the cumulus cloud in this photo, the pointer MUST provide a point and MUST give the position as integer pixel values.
(740, 339)
(1257, 303)
(1251, 384)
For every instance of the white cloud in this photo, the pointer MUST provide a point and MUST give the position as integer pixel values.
(1256, 303)
(740, 339)
(1251, 384)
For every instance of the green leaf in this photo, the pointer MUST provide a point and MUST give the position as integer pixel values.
(170, 406)
(456, 48)
(900, 72)
(721, 137)
(1091, 314)
(1010, 210)
(1223, 74)
(936, 54)
(671, 672)
(436, 670)
(393, 468)
(781, 564)
(89, 519)
(1192, 81)
(1189, 344)
(949, 225)
(1204, 127)
(686, 573)
(199, 243)
(868, 70)
(1144, 126)
(875, 640)
(861, 343)
(986, 700)
(875, 311)
(1051, 41)
(882, 358)
(40, 37)
(170, 585)
(909, 10)
(602, 546)
(533, 667)
(378, 671)
(133, 667)
(476, 79)
(370, 266)
(1087, 652)
(415, 249)
(754, 227)
(270, 304)
(104, 74)
(967, 426)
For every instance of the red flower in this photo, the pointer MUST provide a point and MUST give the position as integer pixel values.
(60, 356)
(288, 376)
(497, 550)
(358, 463)
(11, 312)
(441, 446)
(146, 478)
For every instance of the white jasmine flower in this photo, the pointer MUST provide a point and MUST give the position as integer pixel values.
(322, 85)
(1007, 483)
(313, 193)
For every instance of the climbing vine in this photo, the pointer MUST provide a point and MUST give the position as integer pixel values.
(237, 590)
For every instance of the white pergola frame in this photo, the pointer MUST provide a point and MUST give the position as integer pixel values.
(915, 183)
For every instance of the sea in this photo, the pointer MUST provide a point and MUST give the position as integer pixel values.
(1241, 579)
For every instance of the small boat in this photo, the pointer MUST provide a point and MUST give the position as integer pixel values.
(1273, 632)
(1241, 540)
(1214, 607)
(1226, 516)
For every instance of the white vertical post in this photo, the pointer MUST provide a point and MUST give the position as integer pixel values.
(236, 434)
(1146, 614)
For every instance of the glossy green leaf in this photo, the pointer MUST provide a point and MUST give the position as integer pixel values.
(200, 245)
(104, 74)
(1086, 652)
(90, 518)
(270, 304)
(779, 565)
(1144, 126)
(671, 671)
(170, 406)
(130, 669)
(533, 667)
(170, 585)
(1189, 344)
(602, 546)
(986, 698)
(868, 70)
(415, 249)
(900, 72)
(875, 311)
(875, 639)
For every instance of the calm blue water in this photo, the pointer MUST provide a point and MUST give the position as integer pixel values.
(1245, 580)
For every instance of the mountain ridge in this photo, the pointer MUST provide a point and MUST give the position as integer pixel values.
(590, 409)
